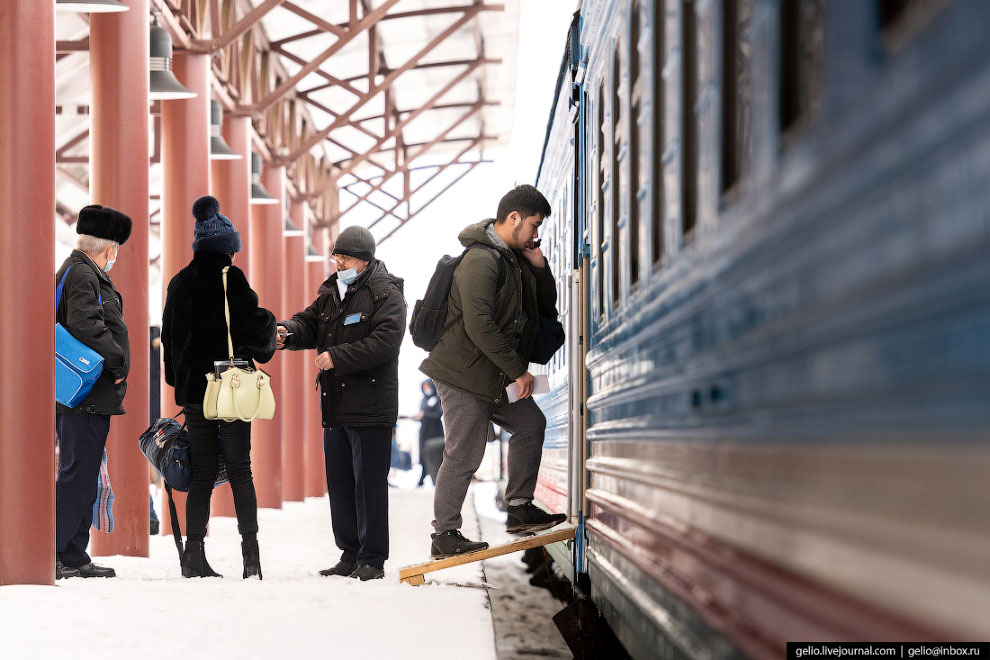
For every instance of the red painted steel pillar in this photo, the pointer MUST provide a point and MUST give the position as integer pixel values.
(267, 226)
(27, 300)
(316, 478)
(293, 367)
(119, 162)
(230, 183)
(185, 175)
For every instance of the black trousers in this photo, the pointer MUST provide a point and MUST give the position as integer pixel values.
(357, 460)
(82, 438)
(204, 445)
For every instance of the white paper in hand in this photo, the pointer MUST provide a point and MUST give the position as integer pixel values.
(540, 386)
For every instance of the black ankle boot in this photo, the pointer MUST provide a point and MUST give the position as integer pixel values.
(194, 562)
(252, 559)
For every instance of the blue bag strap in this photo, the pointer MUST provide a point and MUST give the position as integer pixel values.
(61, 285)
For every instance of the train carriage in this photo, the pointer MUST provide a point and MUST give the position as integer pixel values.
(771, 234)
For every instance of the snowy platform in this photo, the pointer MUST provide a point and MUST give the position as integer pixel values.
(149, 610)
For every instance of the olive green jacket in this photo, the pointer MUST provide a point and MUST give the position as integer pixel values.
(484, 351)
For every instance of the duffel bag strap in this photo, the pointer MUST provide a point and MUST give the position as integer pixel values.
(174, 517)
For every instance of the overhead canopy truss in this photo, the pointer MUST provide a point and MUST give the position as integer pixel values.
(385, 100)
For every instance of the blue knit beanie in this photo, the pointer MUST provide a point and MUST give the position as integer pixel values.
(213, 230)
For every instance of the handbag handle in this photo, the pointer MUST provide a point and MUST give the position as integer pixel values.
(226, 314)
(261, 384)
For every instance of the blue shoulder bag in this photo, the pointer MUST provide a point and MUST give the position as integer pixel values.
(77, 366)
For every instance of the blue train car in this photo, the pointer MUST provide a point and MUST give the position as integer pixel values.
(771, 231)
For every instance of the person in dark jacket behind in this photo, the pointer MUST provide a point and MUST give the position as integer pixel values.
(430, 432)
(356, 325)
(486, 349)
(194, 335)
(92, 310)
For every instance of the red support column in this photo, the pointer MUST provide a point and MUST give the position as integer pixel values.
(293, 362)
(230, 183)
(267, 225)
(185, 175)
(316, 479)
(27, 192)
(119, 161)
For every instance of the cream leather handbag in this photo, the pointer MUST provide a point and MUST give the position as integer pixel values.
(238, 394)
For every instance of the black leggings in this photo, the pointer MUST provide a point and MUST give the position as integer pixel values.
(204, 444)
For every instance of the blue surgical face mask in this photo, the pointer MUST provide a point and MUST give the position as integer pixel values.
(347, 276)
(110, 263)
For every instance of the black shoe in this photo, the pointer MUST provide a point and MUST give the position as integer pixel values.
(528, 517)
(365, 573)
(453, 543)
(340, 568)
(62, 571)
(154, 527)
(92, 570)
(252, 559)
(194, 562)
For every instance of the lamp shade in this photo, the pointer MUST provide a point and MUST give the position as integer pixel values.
(164, 85)
(258, 193)
(90, 6)
(219, 150)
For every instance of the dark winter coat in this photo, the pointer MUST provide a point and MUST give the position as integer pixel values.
(430, 424)
(483, 351)
(362, 389)
(194, 330)
(101, 327)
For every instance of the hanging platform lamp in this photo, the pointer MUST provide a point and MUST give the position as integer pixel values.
(219, 150)
(90, 6)
(164, 85)
(258, 193)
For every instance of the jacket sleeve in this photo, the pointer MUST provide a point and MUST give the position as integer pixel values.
(546, 292)
(388, 324)
(252, 328)
(303, 325)
(166, 336)
(477, 285)
(84, 320)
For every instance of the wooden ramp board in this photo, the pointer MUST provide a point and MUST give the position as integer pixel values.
(414, 575)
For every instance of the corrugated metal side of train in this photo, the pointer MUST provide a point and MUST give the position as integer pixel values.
(556, 182)
(788, 410)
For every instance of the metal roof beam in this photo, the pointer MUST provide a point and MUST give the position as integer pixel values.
(388, 80)
(338, 30)
(252, 18)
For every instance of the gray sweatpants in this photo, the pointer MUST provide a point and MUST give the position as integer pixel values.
(465, 420)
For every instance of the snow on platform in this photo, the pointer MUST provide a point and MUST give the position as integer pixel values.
(150, 610)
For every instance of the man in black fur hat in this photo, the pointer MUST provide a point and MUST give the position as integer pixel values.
(91, 309)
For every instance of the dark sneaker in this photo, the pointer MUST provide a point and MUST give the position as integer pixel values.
(340, 568)
(453, 543)
(527, 518)
(62, 571)
(365, 573)
(92, 570)
(154, 527)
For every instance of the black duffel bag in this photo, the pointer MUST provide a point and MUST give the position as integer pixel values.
(166, 445)
(549, 338)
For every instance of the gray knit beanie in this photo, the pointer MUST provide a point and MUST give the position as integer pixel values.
(356, 242)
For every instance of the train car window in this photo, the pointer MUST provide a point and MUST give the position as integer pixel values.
(736, 91)
(802, 54)
(635, 105)
(615, 245)
(600, 206)
(656, 208)
(902, 20)
(689, 123)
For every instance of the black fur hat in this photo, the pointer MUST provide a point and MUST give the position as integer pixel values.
(104, 222)
(213, 231)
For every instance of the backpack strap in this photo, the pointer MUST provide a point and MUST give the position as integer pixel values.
(499, 282)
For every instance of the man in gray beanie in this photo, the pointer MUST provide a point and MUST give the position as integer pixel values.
(92, 310)
(356, 325)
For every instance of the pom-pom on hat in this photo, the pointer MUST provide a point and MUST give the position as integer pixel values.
(213, 230)
(104, 222)
(356, 242)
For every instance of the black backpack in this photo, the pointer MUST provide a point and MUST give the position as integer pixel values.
(427, 324)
